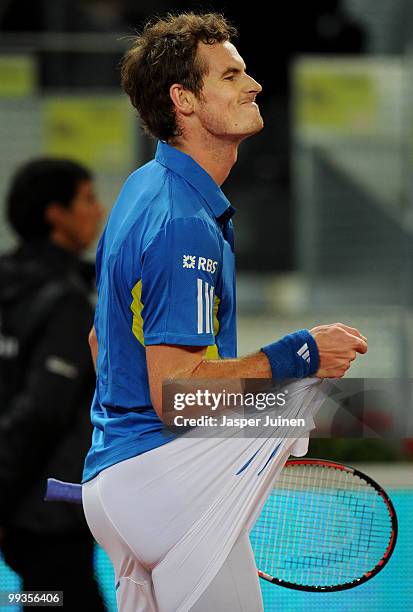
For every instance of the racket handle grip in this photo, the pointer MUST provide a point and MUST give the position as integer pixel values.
(58, 490)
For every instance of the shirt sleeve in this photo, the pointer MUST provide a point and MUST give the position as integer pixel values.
(180, 271)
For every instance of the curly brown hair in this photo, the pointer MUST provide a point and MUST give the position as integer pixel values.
(166, 53)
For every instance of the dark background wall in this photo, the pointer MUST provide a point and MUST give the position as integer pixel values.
(260, 184)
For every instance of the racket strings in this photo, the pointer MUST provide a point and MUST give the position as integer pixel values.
(321, 526)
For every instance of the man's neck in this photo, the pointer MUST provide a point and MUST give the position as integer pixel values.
(213, 155)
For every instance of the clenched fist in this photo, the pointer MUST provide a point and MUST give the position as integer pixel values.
(338, 345)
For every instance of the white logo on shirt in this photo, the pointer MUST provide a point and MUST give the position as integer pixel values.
(205, 307)
(201, 263)
(189, 261)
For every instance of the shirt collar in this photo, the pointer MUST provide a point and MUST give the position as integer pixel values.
(187, 168)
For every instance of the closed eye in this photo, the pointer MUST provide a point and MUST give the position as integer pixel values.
(230, 73)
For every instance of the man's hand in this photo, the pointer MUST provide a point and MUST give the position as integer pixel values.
(338, 345)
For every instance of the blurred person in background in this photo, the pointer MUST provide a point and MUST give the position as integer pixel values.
(47, 377)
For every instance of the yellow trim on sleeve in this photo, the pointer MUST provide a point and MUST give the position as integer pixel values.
(136, 308)
(137, 323)
(212, 351)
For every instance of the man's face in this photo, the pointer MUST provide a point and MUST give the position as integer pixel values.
(227, 107)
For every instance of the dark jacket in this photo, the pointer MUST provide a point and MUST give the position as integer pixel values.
(46, 383)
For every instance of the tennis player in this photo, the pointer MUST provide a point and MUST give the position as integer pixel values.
(173, 512)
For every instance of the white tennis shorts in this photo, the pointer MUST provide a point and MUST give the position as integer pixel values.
(175, 520)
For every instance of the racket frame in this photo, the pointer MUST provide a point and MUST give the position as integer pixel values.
(368, 575)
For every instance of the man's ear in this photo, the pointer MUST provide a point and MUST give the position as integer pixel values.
(54, 214)
(183, 99)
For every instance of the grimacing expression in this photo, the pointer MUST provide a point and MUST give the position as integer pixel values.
(226, 107)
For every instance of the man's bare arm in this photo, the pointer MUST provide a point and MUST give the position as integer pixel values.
(186, 363)
(337, 345)
(93, 344)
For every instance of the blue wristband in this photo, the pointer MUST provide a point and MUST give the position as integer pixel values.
(294, 356)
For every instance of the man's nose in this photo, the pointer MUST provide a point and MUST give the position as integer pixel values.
(254, 86)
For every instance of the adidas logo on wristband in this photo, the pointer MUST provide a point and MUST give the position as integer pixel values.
(304, 352)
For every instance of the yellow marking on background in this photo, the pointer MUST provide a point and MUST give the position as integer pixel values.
(332, 98)
(18, 76)
(93, 130)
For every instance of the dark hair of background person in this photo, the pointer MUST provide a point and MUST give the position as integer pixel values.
(165, 53)
(36, 185)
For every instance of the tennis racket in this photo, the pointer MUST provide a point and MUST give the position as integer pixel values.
(325, 527)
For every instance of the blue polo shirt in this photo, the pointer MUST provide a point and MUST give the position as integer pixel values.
(165, 275)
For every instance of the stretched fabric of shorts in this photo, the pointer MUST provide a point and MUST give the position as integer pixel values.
(180, 508)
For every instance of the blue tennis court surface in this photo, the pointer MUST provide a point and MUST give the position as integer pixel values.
(389, 591)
